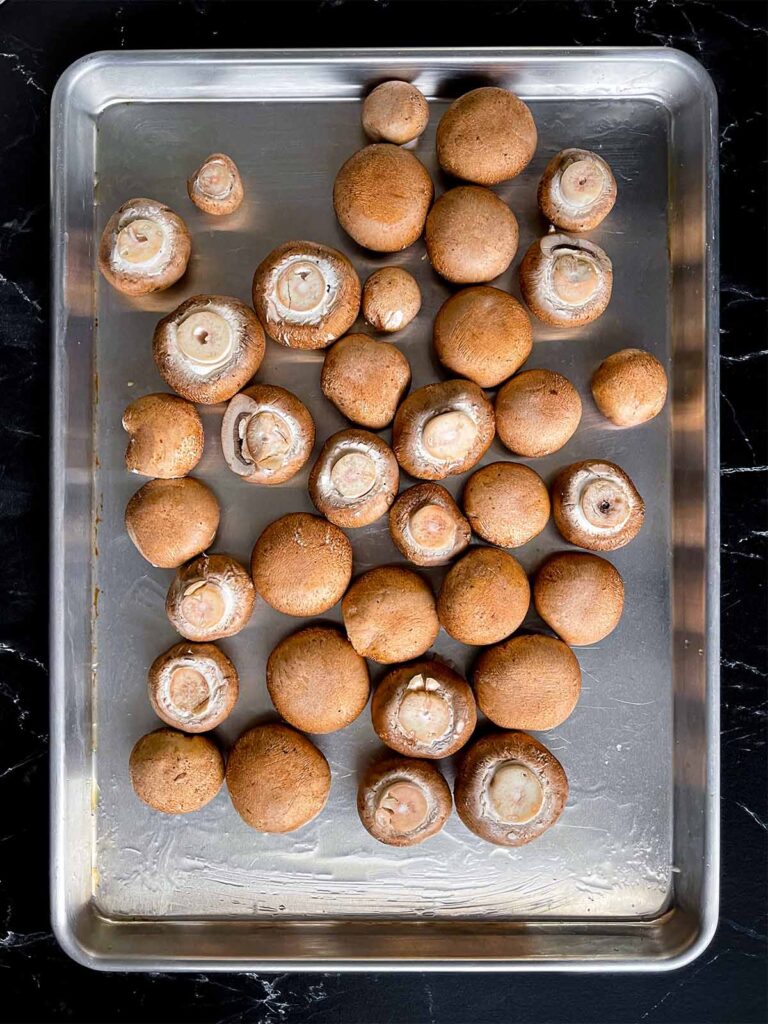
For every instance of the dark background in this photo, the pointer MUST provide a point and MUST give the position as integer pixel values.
(37, 981)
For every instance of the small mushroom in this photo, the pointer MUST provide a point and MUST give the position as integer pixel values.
(471, 235)
(389, 614)
(506, 504)
(306, 295)
(577, 190)
(267, 435)
(596, 506)
(510, 788)
(487, 135)
(402, 801)
(443, 429)
(579, 596)
(176, 773)
(391, 299)
(537, 412)
(365, 379)
(317, 681)
(381, 197)
(484, 597)
(208, 348)
(145, 247)
(355, 479)
(484, 334)
(277, 779)
(301, 564)
(426, 525)
(193, 687)
(165, 436)
(216, 186)
(210, 597)
(395, 112)
(527, 682)
(423, 710)
(630, 387)
(566, 281)
(171, 521)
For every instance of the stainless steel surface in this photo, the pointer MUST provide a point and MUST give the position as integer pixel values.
(628, 878)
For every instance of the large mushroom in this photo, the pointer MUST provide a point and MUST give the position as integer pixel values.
(596, 506)
(579, 596)
(537, 412)
(566, 281)
(193, 687)
(145, 247)
(267, 434)
(402, 801)
(389, 614)
(165, 436)
(355, 479)
(506, 503)
(171, 521)
(175, 773)
(471, 235)
(484, 597)
(365, 379)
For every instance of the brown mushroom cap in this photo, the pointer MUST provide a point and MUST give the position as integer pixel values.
(216, 186)
(381, 196)
(579, 596)
(402, 801)
(487, 135)
(426, 525)
(176, 773)
(267, 434)
(277, 779)
(596, 506)
(171, 521)
(395, 112)
(355, 479)
(484, 334)
(537, 412)
(630, 387)
(389, 614)
(208, 348)
(443, 429)
(145, 247)
(210, 597)
(165, 434)
(506, 504)
(577, 190)
(317, 681)
(365, 379)
(391, 299)
(527, 682)
(471, 235)
(306, 294)
(424, 709)
(509, 788)
(484, 597)
(301, 564)
(193, 687)
(566, 281)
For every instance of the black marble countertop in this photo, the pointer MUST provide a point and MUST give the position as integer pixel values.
(37, 981)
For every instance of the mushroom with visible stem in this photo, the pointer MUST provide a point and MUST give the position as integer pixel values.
(484, 597)
(596, 506)
(171, 521)
(471, 235)
(365, 379)
(391, 299)
(389, 615)
(566, 281)
(537, 412)
(193, 687)
(577, 190)
(630, 387)
(355, 479)
(267, 435)
(395, 112)
(208, 348)
(402, 801)
(506, 504)
(145, 248)
(579, 596)
(165, 436)
(174, 772)
(209, 598)
(216, 186)
(426, 525)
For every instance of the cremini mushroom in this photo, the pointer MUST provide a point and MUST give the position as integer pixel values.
(389, 614)
(171, 521)
(391, 299)
(193, 687)
(595, 505)
(355, 479)
(577, 190)
(306, 295)
(209, 598)
(165, 436)
(509, 788)
(630, 387)
(317, 681)
(216, 186)
(426, 525)
(381, 196)
(484, 597)
(579, 596)
(537, 412)
(443, 429)
(176, 773)
(402, 801)
(145, 247)
(471, 235)
(208, 348)
(395, 112)
(506, 504)
(424, 709)
(267, 434)
(566, 281)
(301, 564)
(365, 379)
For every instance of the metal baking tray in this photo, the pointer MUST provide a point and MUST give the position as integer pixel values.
(629, 877)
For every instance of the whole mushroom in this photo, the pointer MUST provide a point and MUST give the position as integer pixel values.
(171, 521)
(216, 186)
(267, 435)
(577, 190)
(596, 506)
(471, 235)
(395, 112)
(579, 596)
(365, 379)
(566, 281)
(630, 387)
(389, 614)
(426, 525)
(210, 598)
(355, 478)
(193, 687)
(165, 434)
(537, 412)
(403, 801)
(145, 247)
